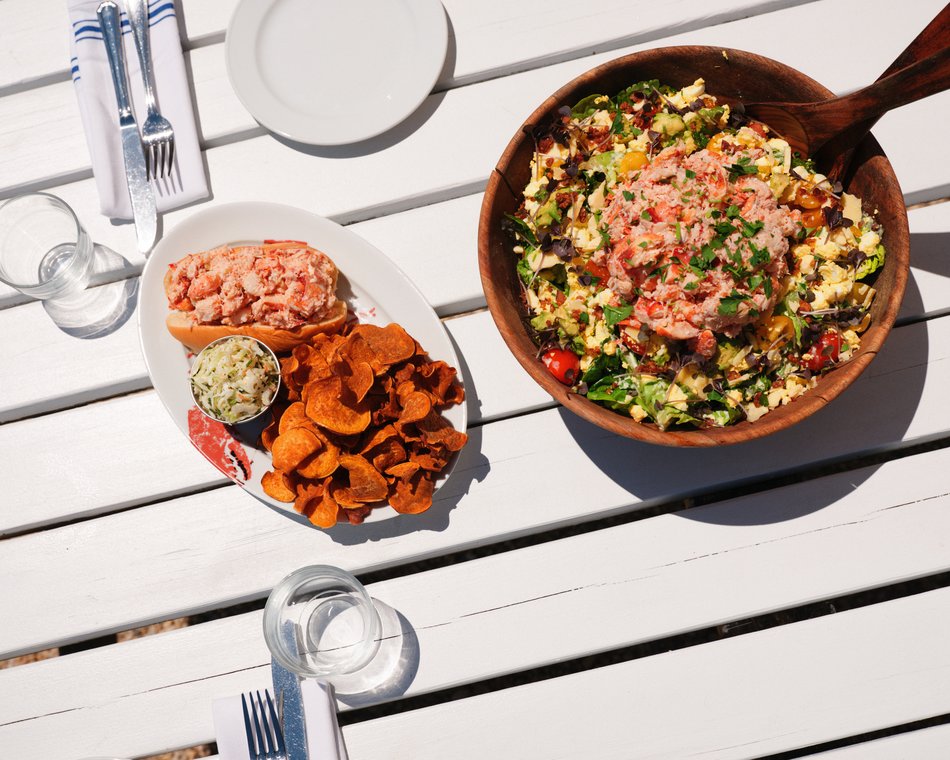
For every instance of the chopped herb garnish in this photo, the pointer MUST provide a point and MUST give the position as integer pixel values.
(750, 228)
(742, 167)
(613, 314)
(690, 174)
(760, 256)
(730, 304)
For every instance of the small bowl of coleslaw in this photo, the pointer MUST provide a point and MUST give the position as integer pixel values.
(235, 379)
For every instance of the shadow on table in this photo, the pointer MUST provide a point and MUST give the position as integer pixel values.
(395, 134)
(393, 668)
(929, 252)
(875, 412)
(100, 309)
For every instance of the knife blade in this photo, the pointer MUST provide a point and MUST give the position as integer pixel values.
(140, 192)
(290, 701)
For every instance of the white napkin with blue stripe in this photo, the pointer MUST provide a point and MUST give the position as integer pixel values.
(324, 737)
(99, 112)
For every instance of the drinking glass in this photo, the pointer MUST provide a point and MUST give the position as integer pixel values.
(44, 250)
(320, 622)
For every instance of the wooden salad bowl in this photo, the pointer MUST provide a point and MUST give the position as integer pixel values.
(730, 75)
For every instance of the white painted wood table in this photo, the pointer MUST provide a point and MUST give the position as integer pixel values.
(573, 595)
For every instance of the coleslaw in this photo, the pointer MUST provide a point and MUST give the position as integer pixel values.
(234, 379)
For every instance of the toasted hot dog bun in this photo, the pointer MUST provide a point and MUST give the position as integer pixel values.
(196, 336)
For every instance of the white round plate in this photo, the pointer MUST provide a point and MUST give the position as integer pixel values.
(375, 290)
(332, 73)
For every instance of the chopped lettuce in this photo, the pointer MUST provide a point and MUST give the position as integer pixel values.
(616, 392)
(871, 264)
(653, 399)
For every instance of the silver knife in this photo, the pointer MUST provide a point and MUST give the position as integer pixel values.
(290, 701)
(140, 192)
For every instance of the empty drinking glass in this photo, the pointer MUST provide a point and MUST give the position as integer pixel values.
(44, 250)
(320, 622)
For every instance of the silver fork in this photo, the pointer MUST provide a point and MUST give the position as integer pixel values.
(158, 137)
(265, 740)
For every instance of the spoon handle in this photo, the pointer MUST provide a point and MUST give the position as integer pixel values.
(929, 42)
(839, 151)
(919, 80)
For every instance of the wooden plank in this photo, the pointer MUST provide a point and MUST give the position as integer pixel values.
(490, 39)
(104, 445)
(517, 461)
(45, 143)
(745, 697)
(544, 604)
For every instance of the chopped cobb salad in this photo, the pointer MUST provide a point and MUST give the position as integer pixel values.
(681, 265)
(234, 379)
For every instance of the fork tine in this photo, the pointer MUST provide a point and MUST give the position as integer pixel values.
(278, 732)
(171, 156)
(268, 745)
(247, 728)
(160, 159)
(257, 728)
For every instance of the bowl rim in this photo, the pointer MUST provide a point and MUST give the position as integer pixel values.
(829, 386)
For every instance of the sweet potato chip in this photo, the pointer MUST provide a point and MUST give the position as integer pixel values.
(269, 433)
(308, 496)
(379, 436)
(359, 350)
(366, 484)
(277, 485)
(294, 416)
(387, 454)
(325, 512)
(356, 515)
(403, 470)
(414, 495)
(436, 429)
(430, 461)
(320, 465)
(357, 376)
(327, 406)
(415, 406)
(292, 447)
(391, 343)
(288, 364)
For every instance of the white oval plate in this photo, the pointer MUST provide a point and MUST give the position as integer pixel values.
(332, 73)
(375, 289)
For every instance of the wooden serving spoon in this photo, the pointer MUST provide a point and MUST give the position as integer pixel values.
(809, 126)
(838, 151)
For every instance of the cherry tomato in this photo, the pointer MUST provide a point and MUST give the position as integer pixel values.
(561, 363)
(824, 352)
